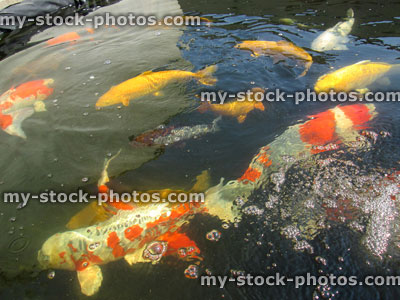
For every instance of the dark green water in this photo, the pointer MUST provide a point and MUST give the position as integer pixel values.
(70, 141)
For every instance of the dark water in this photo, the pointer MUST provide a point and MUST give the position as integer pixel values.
(70, 141)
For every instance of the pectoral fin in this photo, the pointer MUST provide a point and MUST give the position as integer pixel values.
(340, 47)
(90, 280)
(125, 101)
(17, 118)
(362, 91)
(241, 118)
(135, 257)
(158, 94)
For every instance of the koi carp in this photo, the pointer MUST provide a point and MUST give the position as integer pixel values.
(151, 83)
(335, 38)
(356, 77)
(21, 102)
(280, 50)
(164, 136)
(237, 109)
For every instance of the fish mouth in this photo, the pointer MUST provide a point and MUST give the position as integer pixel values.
(43, 259)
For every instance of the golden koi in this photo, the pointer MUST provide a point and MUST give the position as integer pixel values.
(278, 50)
(356, 77)
(237, 109)
(151, 83)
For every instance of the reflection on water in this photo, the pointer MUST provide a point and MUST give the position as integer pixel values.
(342, 219)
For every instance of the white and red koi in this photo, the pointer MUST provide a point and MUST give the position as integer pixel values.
(323, 132)
(21, 102)
(135, 233)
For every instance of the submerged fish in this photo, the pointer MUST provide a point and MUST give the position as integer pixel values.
(237, 109)
(290, 21)
(151, 83)
(279, 51)
(69, 37)
(356, 77)
(335, 38)
(143, 234)
(164, 136)
(21, 102)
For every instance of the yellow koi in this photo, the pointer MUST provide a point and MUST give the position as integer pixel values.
(151, 83)
(237, 109)
(356, 77)
(278, 50)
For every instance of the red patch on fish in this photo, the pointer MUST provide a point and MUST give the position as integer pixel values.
(113, 243)
(264, 159)
(358, 113)
(61, 255)
(320, 130)
(5, 121)
(250, 175)
(133, 232)
(31, 89)
(72, 247)
(176, 241)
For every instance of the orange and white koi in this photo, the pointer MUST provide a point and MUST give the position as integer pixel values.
(356, 77)
(21, 102)
(236, 109)
(279, 51)
(151, 83)
(325, 131)
(137, 234)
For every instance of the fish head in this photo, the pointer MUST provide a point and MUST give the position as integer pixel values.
(61, 250)
(324, 84)
(109, 98)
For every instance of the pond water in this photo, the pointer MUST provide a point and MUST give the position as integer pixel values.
(67, 144)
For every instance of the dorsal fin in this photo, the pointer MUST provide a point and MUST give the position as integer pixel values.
(146, 72)
(363, 62)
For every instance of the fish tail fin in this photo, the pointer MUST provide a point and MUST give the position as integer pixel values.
(104, 174)
(396, 68)
(203, 107)
(17, 118)
(350, 13)
(260, 106)
(219, 200)
(307, 66)
(215, 123)
(202, 182)
(205, 75)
